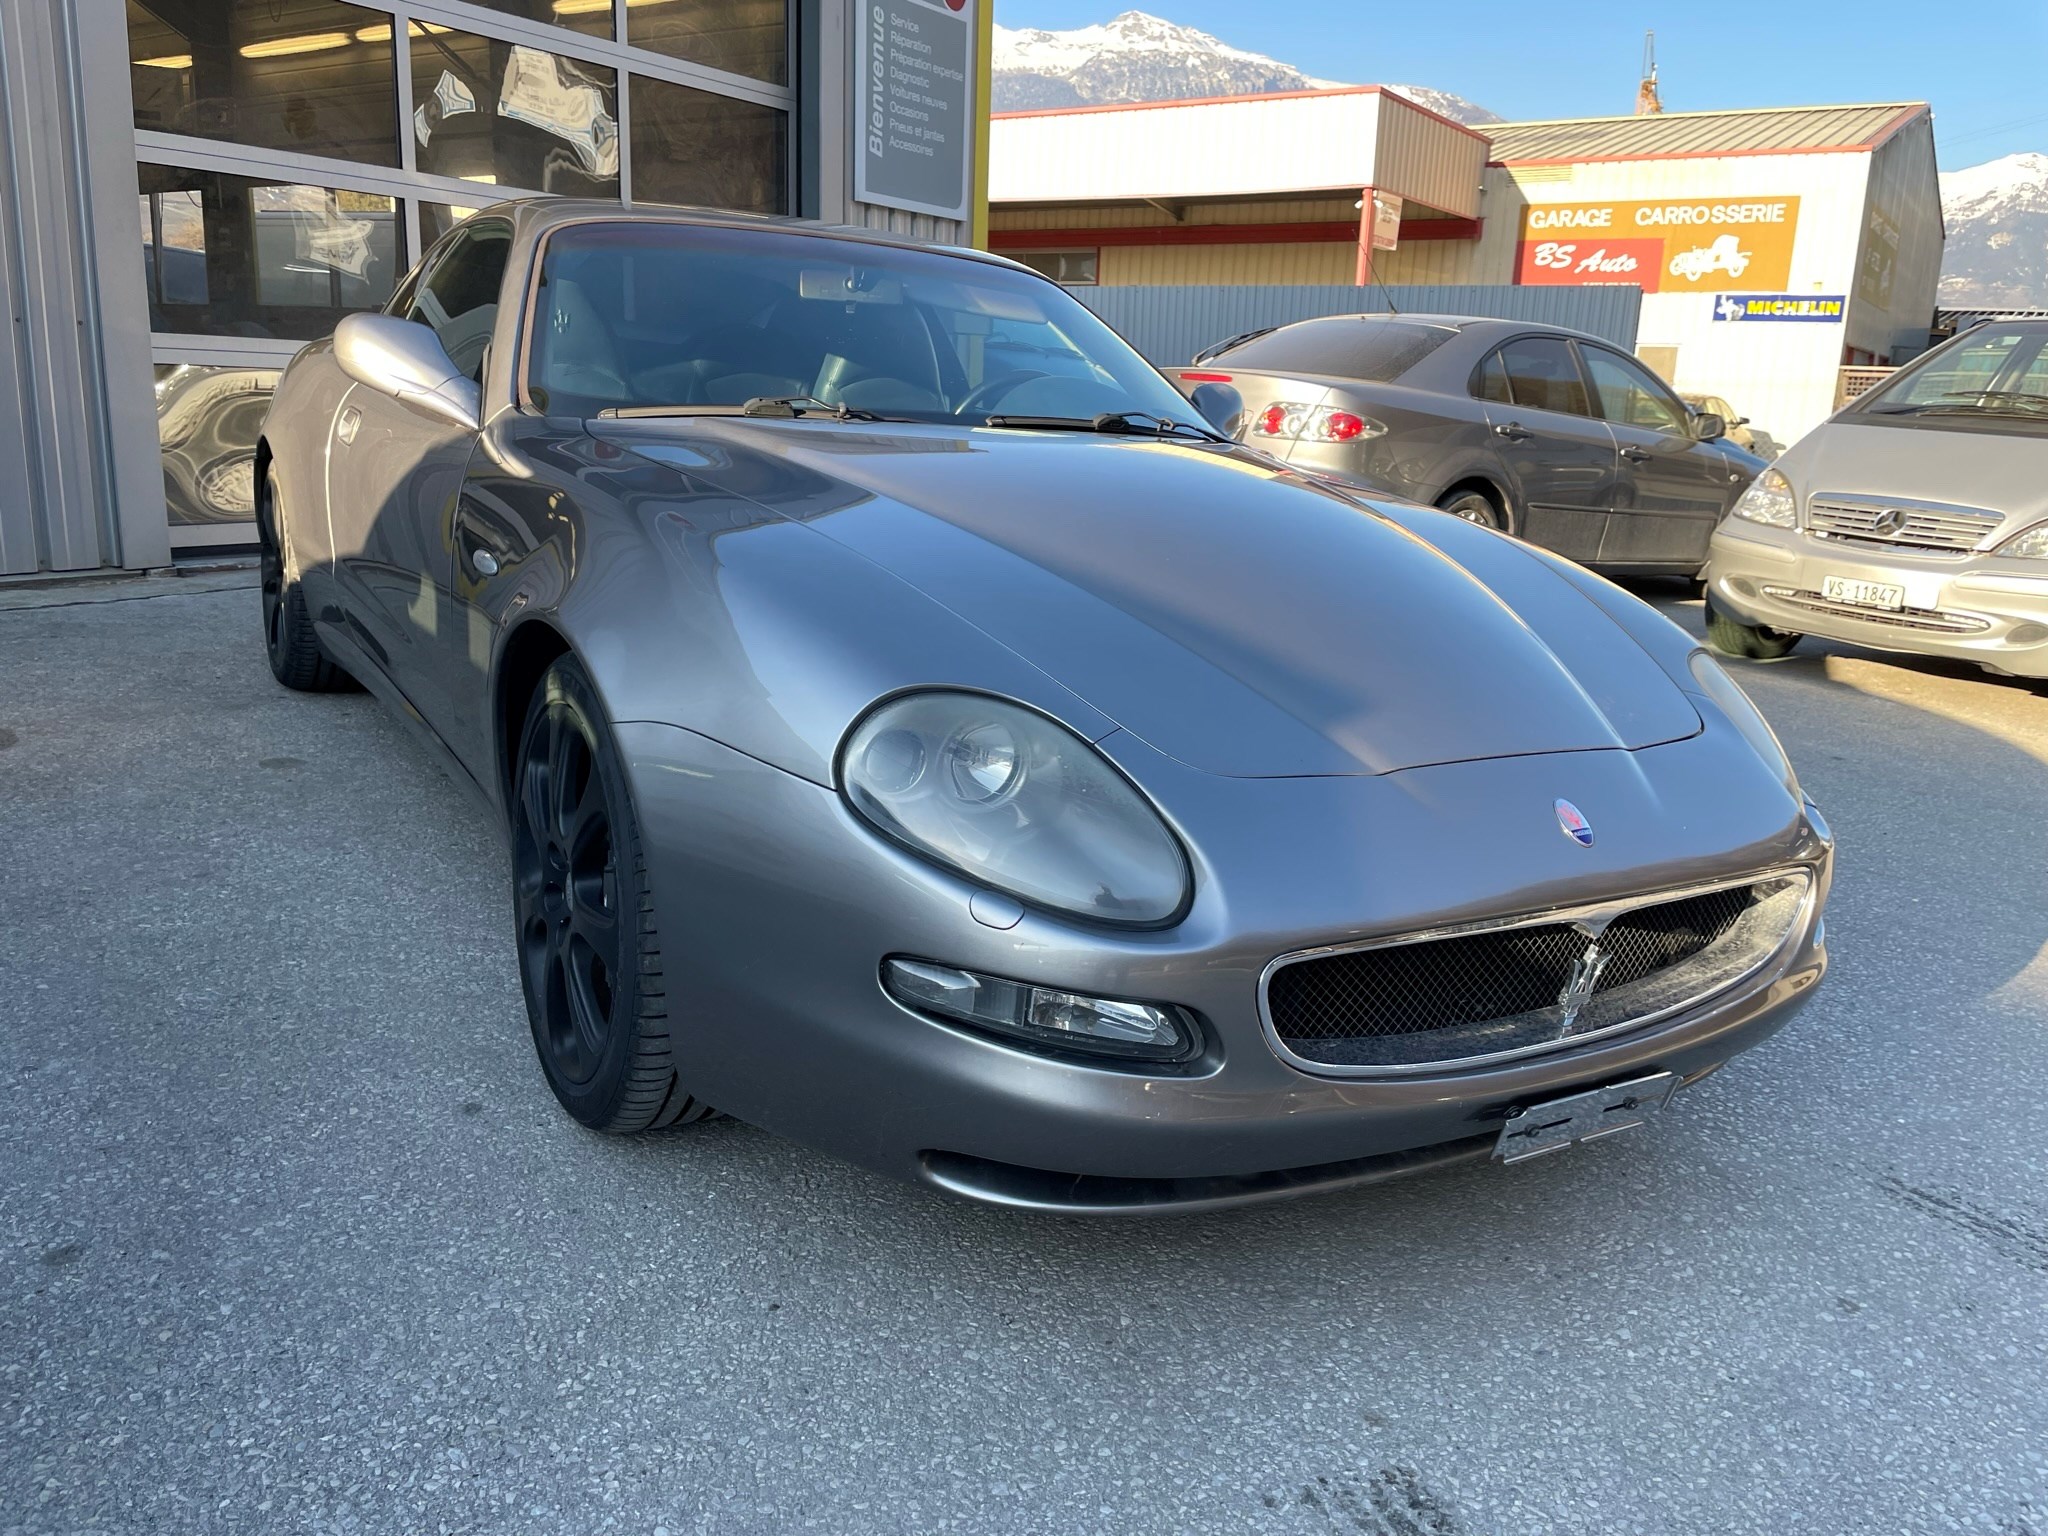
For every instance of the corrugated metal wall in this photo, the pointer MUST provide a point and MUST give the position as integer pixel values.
(1169, 325)
(1423, 157)
(53, 426)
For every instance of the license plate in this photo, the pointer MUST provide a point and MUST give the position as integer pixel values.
(1560, 1123)
(1863, 594)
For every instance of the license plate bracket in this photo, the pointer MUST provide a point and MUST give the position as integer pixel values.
(1559, 1123)
(1857, 593)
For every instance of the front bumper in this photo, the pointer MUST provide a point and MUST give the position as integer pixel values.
(777, 907)
(1977, 608)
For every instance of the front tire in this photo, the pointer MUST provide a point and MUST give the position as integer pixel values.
(1754, 642)
(589, 954)
(296, 657)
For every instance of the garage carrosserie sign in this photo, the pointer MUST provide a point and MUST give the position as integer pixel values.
(1692, 245)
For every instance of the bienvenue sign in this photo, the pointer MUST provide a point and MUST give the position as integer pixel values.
(915, 78)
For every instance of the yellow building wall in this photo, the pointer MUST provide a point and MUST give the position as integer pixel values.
(1158, 265)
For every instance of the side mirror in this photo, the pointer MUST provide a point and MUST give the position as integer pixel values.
(1220, 405)
(1741, 421)
(405, 360)
(1707, 425)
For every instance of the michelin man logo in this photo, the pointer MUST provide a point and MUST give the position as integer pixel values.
(1730, 307)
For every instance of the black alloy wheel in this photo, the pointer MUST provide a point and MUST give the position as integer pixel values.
(1475, 506)
(589, 959)
(296, 656)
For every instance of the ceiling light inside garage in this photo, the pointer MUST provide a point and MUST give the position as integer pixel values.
(304, 42)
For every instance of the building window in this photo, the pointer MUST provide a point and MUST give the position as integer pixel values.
(497, 112)
(1073, 269)
(315, 77)
(742, 37)
(206, 423)
(234, 256)
(690, 146)
(593, 18)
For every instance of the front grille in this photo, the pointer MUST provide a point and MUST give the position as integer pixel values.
(1899, 524)
(1940, 620)
(1462, 996)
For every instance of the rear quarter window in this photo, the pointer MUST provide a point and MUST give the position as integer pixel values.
(1379, 350)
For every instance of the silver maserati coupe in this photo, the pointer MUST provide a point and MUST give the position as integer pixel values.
(919, 732)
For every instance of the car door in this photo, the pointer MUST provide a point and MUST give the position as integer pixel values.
(394, 475)
(1670, 488)
(1559, 458)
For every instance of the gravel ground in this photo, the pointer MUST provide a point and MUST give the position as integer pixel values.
(292, 1237)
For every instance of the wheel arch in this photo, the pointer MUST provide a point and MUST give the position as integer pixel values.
(528, 652)
(1488, 486)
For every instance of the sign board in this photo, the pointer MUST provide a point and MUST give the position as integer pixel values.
(1879, 259)
(1823, 307)
(913, 145)
(1386, 220)
(1701, 245)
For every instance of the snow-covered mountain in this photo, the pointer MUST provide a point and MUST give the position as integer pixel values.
(1138, 57)
(1997, 217)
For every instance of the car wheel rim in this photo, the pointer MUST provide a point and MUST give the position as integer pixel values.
(566, 884)
(270, 569)
(1476, 509)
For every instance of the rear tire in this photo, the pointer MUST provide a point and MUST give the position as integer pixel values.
(1476, 506)
(589, 951)
(1755, 642)
(296, 657)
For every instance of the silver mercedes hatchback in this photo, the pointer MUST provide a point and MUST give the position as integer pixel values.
(1915, 519)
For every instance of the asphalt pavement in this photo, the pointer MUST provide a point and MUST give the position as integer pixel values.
(293, 1238)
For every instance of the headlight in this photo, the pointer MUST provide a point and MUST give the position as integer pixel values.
(1724, 693)
(1769, 500)
(1006, 797)
(2031, 545)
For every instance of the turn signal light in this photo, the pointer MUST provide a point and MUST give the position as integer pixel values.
(1287, 419)
(1092, 1026)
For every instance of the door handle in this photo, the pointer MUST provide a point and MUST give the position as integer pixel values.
(345, 427)
(1636, 455)
(1513, 431)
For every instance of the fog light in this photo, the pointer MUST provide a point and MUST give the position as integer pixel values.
(1099, 1026)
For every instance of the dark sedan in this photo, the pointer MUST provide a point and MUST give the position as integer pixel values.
(1545, 433)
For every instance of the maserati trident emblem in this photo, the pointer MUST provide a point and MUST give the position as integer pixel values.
(1578, 988)
(1575, 825)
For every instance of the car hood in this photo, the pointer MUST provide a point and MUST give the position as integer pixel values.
(1225, 611)
(1996, 471)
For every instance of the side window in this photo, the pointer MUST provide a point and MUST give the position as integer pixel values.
(1630, 393)
(459, 298)
(1490, 381)
(1543, 375)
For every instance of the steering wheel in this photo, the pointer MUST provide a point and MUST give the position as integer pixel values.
(989, 391)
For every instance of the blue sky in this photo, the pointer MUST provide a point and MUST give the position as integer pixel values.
(1983, 63)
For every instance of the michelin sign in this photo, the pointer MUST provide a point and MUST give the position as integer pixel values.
(1779, 306)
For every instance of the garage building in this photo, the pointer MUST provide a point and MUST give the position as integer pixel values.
(1775, 248)
(191, 190)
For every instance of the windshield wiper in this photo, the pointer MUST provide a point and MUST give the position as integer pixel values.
(1968, 402)
(1114, 424)
(783, 407)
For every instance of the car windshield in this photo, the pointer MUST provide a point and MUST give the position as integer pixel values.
(1998, 373)
(648, 315)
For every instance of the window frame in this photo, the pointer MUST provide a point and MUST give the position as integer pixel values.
(1658, 389)
(1578, 372)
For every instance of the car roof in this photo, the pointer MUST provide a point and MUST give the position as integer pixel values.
(1477, 325)
(534, 216)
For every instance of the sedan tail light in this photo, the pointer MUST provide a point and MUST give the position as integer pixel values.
(1317, 425)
